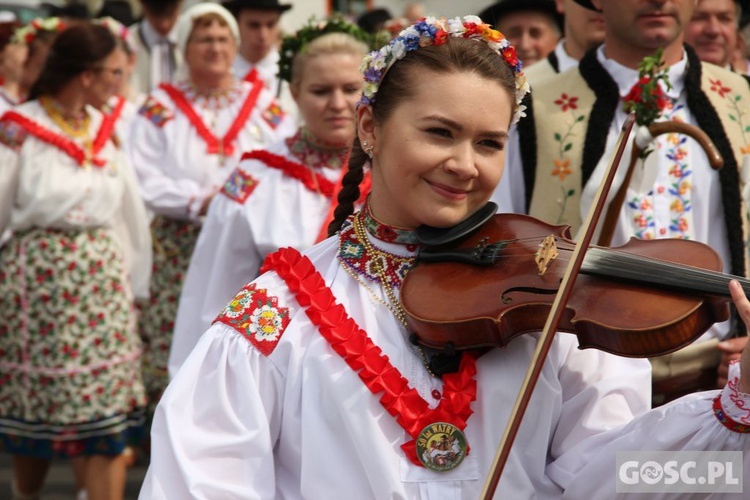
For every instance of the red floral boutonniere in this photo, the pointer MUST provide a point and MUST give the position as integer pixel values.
(647, 98)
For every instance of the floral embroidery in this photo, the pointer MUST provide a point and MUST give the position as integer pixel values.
(239, 186)
(736, 114)
(317, 154)
(566, 102)
(731, 397)
(562, 168)
(273, 115)
(391, 234)
(352, 254)
(12, 135)
(678, 188)
(155, 112)
(314, 181)
(257, 316)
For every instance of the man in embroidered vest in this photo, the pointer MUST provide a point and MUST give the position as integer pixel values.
(532, 26)
(158, 58)
(713, 31)
(583, 29)
(677, 195)
(258, 55)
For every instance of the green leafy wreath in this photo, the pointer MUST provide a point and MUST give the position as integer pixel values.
(294, 44)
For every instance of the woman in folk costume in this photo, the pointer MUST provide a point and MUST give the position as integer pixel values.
(280, 196)
(307, 385)
(69, 349)
(123, 106)
(185, 142)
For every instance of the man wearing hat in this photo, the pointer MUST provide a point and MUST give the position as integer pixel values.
(158, 57)
(568, 137)
(532, 26)
(584, 30)
(258, 56)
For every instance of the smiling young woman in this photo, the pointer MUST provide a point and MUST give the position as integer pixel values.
(308, 386)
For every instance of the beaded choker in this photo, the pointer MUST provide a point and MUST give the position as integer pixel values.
(390, 234)
(314, 153)
(211, 99)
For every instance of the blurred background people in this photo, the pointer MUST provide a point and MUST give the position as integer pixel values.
(282, 195)
(258, 54)
(533, 26)
(583, 30)
(159, 58)
(186, 140)
(79, 250)
(713, 31)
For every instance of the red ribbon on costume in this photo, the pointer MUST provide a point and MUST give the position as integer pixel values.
(214, 145)
(251, 76)
(313, 181)
(63, 143)
(364, 357)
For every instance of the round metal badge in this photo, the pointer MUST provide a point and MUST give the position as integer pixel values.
(441, 446)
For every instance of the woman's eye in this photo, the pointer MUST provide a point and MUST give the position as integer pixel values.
(493, 144)
(442, 132)
(353, 90)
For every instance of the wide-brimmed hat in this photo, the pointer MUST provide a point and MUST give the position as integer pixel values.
(495, 12)
(235, 6)
(587, 4)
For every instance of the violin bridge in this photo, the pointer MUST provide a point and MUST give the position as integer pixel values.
(547, 253)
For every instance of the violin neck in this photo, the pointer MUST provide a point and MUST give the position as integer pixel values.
(628, 267)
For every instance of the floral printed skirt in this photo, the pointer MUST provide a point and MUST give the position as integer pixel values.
(70, 380)
(174, 241)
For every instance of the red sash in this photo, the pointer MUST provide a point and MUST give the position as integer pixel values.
(367, 360)
(214, 145)
(63, 143)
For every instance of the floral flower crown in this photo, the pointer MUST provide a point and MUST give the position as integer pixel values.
(26, 34)
(120, 31)
(296, 43)
(437, 31)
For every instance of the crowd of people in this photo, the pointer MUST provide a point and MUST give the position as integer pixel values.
(207, 226)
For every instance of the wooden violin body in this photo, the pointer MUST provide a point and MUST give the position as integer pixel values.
(452, 305)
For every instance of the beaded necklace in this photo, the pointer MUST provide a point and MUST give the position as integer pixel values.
(75, 127)
(315, 153)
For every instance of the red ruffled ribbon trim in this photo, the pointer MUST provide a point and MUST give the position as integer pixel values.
(315, 182)
(225, 146)
(727, 422)
(63, 143)
(363, 356)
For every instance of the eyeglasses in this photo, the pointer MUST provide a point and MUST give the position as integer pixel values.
(209, 40)
(116, 72)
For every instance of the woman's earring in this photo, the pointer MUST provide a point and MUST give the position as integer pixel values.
(367, 149)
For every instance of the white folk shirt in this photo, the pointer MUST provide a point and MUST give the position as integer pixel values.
(300, 423)
(175, 170)
(235, 239)
(706, 186)
(41, 186)
(268, 71)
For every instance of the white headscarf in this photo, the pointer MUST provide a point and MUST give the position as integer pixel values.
(185, 23)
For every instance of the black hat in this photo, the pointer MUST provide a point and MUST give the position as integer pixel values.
(495, 12)
(235, 6)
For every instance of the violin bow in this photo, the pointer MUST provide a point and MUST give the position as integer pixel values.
(654, 130)
(553, 320)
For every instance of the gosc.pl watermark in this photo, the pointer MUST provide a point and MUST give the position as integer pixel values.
(679, 472)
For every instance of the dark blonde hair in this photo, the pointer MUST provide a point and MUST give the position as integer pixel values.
(459, 55)
(331, 43)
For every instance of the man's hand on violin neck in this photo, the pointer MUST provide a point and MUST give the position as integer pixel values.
(740, 343)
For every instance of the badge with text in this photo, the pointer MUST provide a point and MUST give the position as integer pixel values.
(441, 446)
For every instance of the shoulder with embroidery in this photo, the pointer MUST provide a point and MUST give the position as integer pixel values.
(12, 134)
(155, 111)
(260, 313)
(239, 185)
(271, 111)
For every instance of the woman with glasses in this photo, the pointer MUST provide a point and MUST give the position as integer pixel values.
(185, 142)
(70, 382)
(281, 195)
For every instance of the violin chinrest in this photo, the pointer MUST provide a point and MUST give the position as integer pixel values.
(436, 236)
